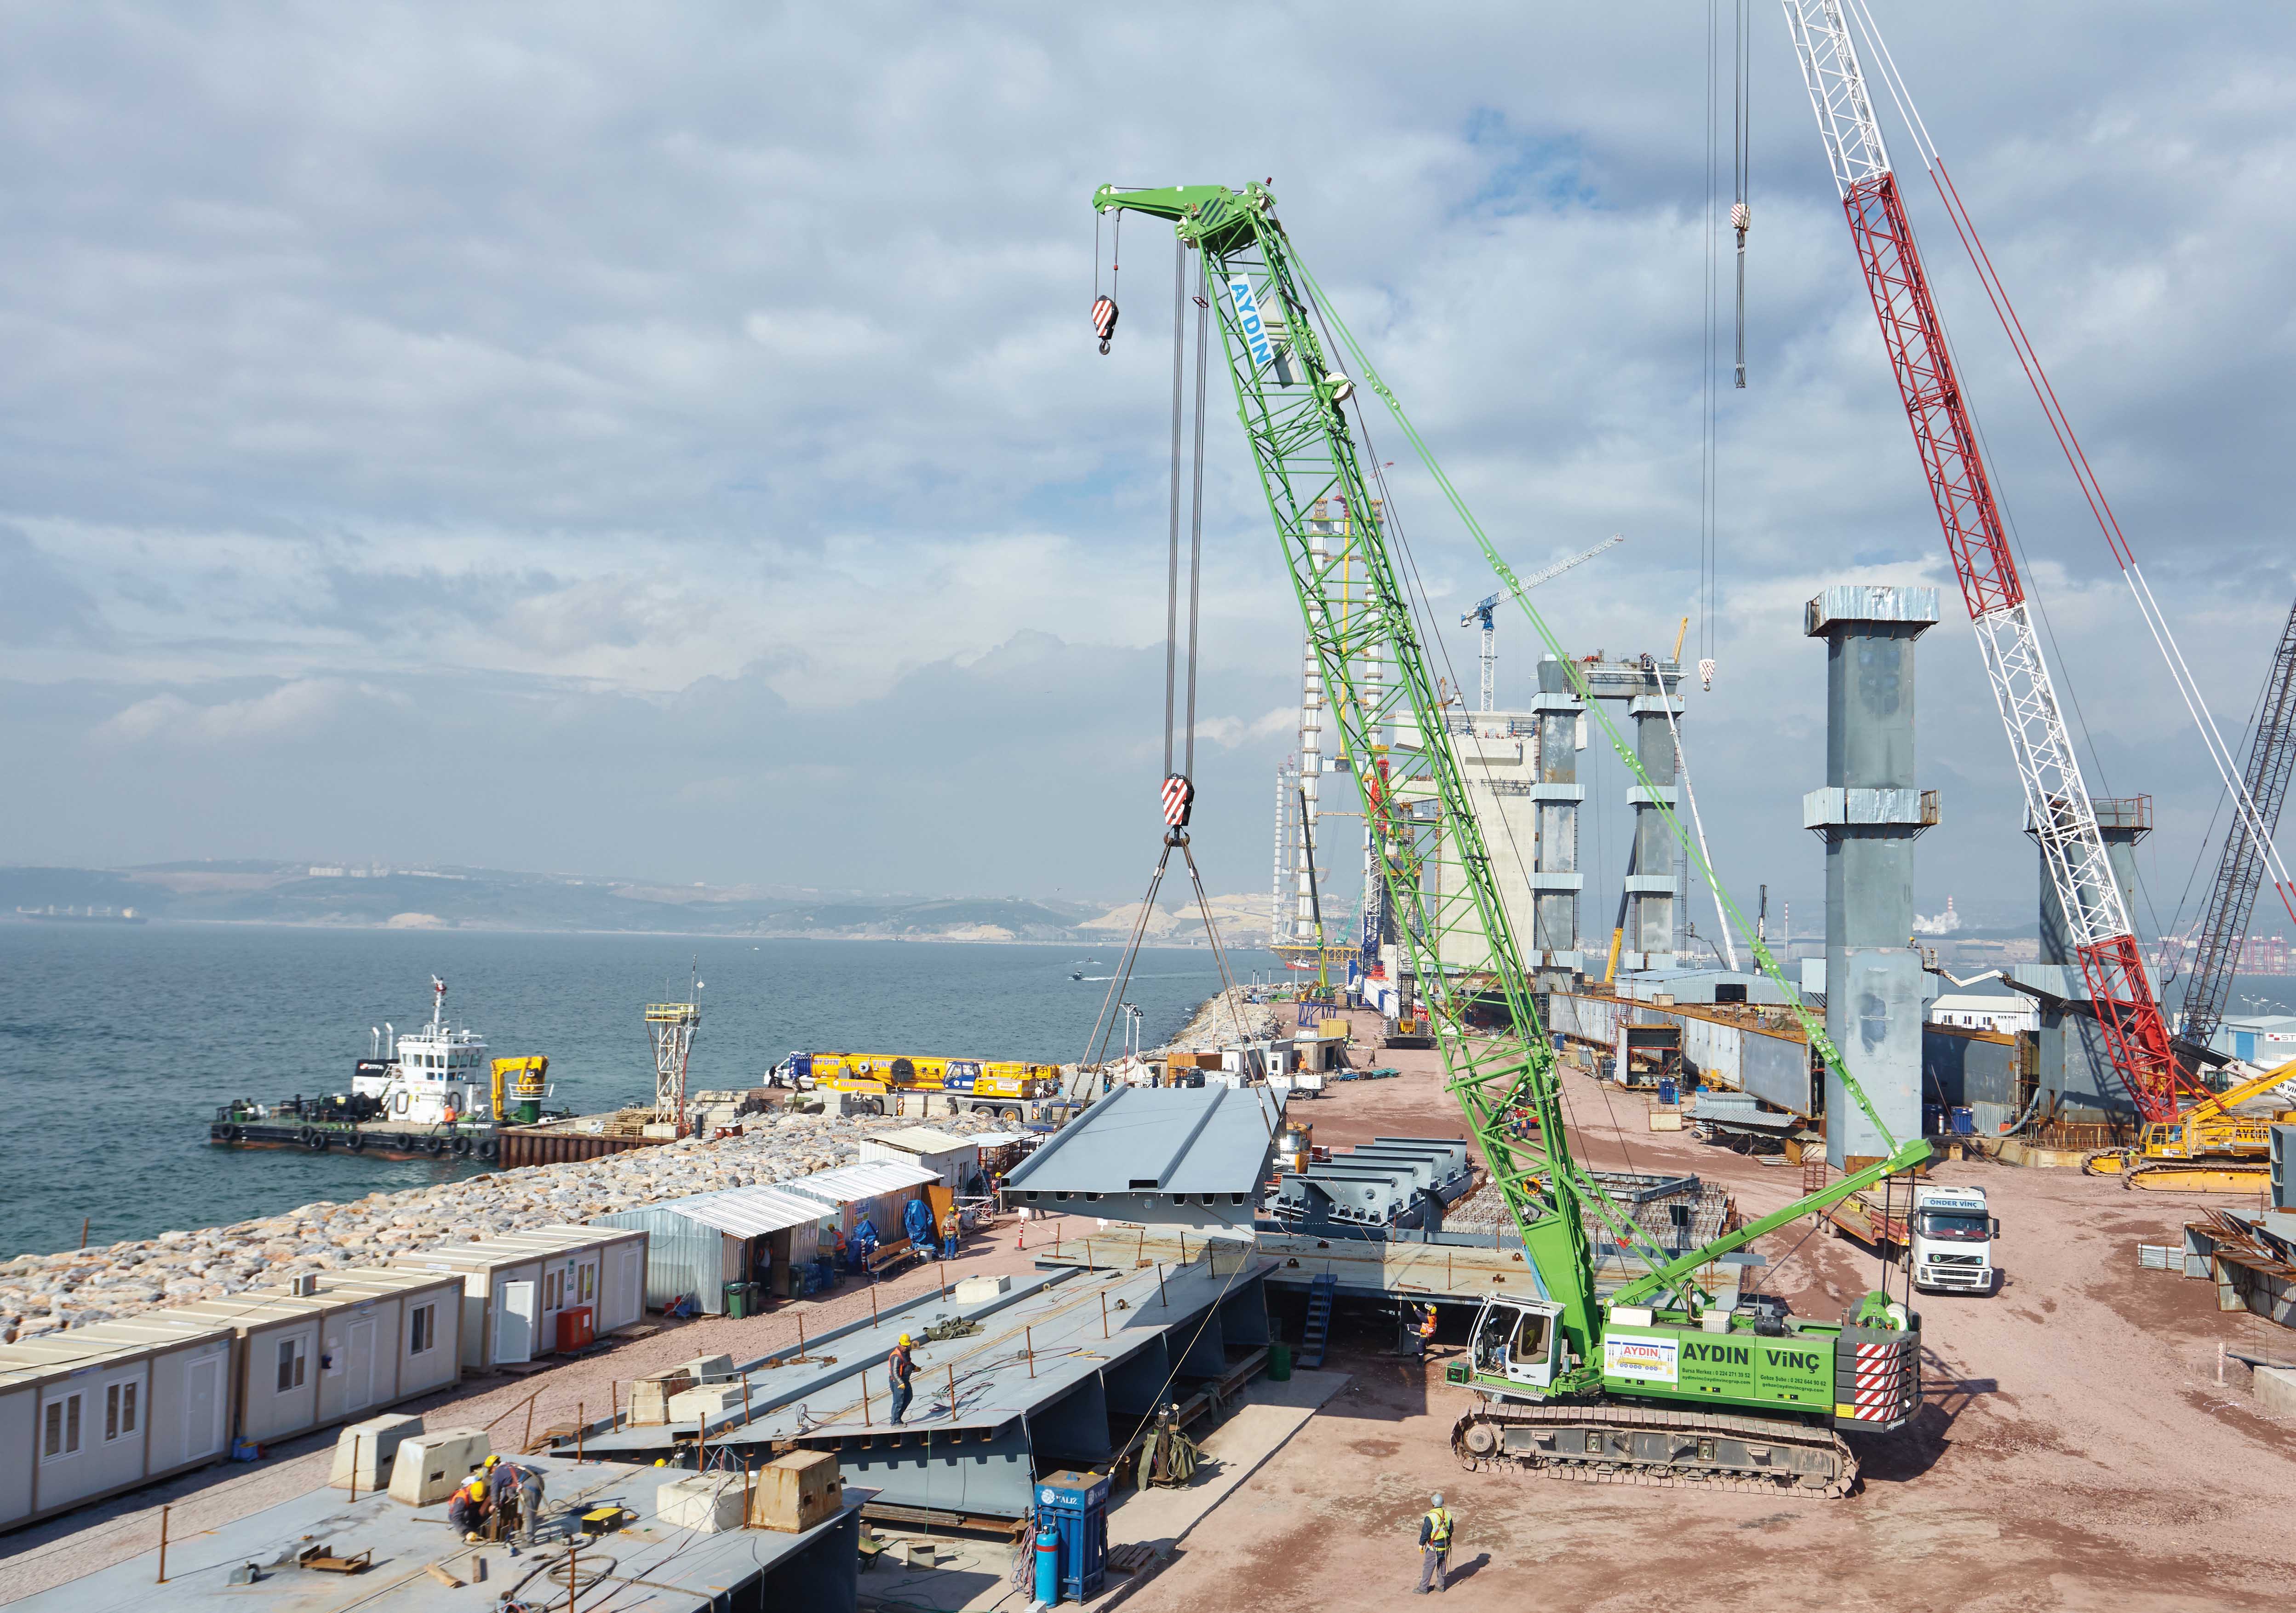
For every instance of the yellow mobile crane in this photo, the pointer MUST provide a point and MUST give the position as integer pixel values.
(2207, 1149)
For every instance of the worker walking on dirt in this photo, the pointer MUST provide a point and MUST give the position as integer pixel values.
(1434, 1544)
(949, 1225)
(1426, 1328)
(901, 1370)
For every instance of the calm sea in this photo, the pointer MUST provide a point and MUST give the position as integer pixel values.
(117, 1042)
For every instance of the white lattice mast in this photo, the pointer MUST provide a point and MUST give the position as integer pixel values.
(671, 1027)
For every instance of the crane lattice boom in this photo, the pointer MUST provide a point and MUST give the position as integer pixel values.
(2057, 803)
(2240, 868)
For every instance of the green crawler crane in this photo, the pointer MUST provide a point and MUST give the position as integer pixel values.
(1653, 1383)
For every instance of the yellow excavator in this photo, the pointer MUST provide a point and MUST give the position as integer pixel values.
(2207, 1149)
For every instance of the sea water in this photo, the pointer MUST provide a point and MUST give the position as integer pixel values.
(117, 1042)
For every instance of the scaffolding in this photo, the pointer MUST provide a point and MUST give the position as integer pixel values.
(671, 1026)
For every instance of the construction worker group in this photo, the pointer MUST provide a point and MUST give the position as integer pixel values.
(501, 1500)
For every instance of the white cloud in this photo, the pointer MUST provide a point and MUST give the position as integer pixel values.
(292, 711)
(535, 363)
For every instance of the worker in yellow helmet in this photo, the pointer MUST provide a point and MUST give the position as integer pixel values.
(467, 1511)
(900, 1373)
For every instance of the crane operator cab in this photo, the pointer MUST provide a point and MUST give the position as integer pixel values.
(1518, 1340)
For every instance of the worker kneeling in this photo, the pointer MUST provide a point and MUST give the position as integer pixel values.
(1434, 1544)
(468, 1512)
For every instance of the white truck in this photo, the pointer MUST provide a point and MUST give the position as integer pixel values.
(1945, 1244)
(1952, 1242)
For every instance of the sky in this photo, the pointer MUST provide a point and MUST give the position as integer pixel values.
(671, 442)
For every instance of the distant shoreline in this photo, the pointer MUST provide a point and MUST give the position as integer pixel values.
(157, 921)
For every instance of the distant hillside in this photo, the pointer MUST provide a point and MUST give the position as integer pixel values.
(493, 898)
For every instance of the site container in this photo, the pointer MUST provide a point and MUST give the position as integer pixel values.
(357, 1341)
(514, 1285)
(108, 1407)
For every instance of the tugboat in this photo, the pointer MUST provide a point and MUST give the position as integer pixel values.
(428, 1094)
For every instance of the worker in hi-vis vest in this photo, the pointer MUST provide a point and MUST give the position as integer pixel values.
(1434, 1544)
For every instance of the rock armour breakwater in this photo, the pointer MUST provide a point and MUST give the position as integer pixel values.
(42, 1293)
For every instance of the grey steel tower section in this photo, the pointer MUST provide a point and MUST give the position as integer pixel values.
(2072, 1066)
(1869, 813)
(1650, 888)
(1556, 882)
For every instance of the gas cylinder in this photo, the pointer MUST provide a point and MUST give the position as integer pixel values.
(1048, 1566)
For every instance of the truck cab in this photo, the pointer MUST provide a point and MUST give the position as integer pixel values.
(1951, 1240)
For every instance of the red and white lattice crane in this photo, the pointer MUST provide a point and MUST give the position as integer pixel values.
(2057, 800)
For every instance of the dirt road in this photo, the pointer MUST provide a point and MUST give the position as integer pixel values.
(2074, 1451)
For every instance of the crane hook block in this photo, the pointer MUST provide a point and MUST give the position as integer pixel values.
(1104, 320)
(1179, 798)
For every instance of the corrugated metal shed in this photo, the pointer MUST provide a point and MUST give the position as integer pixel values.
(871, 1179)
(921, 1140)
(743, 1212)
(696, 1246)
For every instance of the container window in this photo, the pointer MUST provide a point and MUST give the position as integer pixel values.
(421, 1329)
(291, 1358)
(588, 1284)
(119, 1411)
(60, 1434)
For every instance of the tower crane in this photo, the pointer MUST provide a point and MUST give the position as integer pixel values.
(2239, 866)
(1650, 1384)
(2057, 801)
(1480, 615)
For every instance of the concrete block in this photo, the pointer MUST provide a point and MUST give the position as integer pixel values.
(365, 1450)
(2276, 1390)
(428, 1466)
(708, 1368)
(708, 1401)
(707, 1503)
(649, 1396)
(971, 1289)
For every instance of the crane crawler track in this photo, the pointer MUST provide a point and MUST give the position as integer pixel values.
(1660, 1449)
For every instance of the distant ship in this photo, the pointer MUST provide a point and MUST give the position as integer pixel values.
(52, 914)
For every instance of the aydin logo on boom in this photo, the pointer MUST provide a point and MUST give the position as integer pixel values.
(1248, 320)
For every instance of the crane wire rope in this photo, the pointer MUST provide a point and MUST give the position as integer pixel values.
(1175, 815)
(2076, 459)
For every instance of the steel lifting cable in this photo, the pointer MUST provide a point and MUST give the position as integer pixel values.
(1178, 790)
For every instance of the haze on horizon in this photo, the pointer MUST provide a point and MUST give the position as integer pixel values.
(542, 438)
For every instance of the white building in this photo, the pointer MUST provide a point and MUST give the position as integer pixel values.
(1976, 1012)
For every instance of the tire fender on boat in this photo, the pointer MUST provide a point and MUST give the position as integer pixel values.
(319, 1141)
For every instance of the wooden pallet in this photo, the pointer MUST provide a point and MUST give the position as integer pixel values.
(1130, 1559)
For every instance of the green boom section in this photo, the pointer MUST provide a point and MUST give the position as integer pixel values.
(1291, 400)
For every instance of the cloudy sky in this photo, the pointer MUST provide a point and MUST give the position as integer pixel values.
(670, 441)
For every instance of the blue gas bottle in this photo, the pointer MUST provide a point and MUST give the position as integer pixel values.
(1048, 1565)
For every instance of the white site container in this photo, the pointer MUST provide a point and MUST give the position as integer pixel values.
(102, 1409)
(516, 1287)
(358, 1341)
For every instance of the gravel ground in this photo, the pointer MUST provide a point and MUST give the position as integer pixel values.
(2075, 1449)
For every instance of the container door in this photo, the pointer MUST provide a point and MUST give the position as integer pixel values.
(628, 1291)
(515, 1312)
(358, 1367)
(203, 1406)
